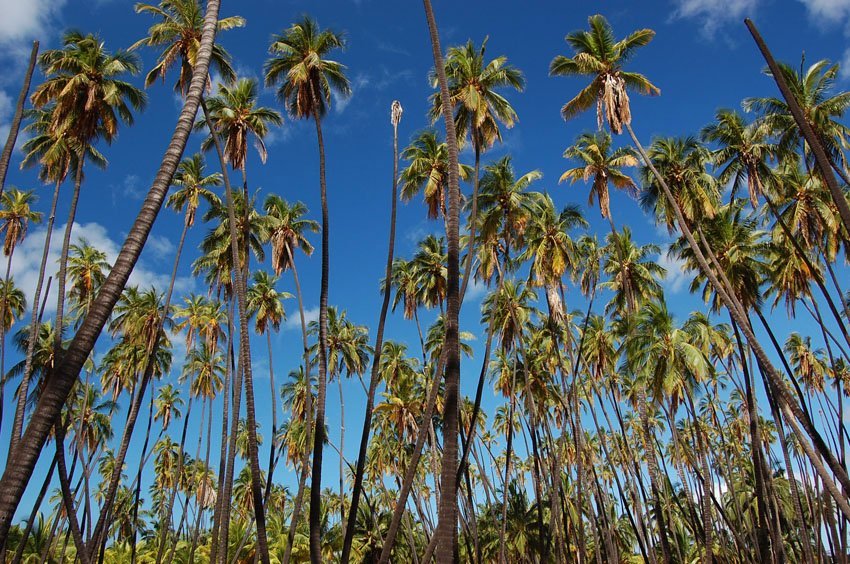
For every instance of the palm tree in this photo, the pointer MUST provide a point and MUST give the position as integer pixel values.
(87, 270)
(602, 167)
(180, 31)
(265, 305)
(299, 64)
(396, 112)
(288, 229)
(89, 100)
(56, 392)
(192, 185)
(446, 532)
(235, 117)
(812, 91)
(428, 172)
(552, 251)
(16, 213)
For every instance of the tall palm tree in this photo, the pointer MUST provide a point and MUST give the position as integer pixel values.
(15, 476)
(287, 230)
(89, 100)
(16, 213)
(265, 305)
(602, 167)
(447, 523)
(179, 32)
(396, 112)
(299, 64)
(87, 270)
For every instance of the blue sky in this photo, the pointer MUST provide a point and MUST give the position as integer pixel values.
(702, 59)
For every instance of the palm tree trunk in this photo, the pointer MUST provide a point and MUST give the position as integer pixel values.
(222, 465)
(202, 496)
(17, 425)
(16, 476)
(3, 303)
(736, 310)
(374, 378)
(805, 128)
(308, 407)
(447, 523)
(34, 513)
(319, 436)
(15, 126)
(138, 492)
(68, 496)
(272, 443)
(239, 281)
(34, 319)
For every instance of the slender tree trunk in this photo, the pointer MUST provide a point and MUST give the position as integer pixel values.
(222, 468)
(447, 523)
(245, 369)
(18, 423)
(319, 435)
(34, 318)
(137, 495)
(19, 552)
(16, 476)
(15, 126)
(738, 314)
(273, 442)
(374, 378)
(308, 407)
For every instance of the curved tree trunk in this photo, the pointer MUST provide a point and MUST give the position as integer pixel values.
(19, 552)
(16, 476)
(446, 532)
(15, 126)
(374, 378)
(222, 464)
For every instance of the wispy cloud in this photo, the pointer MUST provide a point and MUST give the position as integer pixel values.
(24, 21)
(675, 277)
(27, 260)
(293, 320)
(712, 15)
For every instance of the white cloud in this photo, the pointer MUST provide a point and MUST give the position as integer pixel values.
(676, 276)
(828, 11)
(293, 320)
(475, 290)
(360, 82)
(26, 20)
(27, 260)
(713, 14)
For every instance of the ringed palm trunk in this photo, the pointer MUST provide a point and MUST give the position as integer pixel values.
(16, 475)
(308, 407)
(319, 436)
(15, 126)
(374, 378)
(447, 523)
(272, 445)
(19, 552)
(788, 405)
(244, 370)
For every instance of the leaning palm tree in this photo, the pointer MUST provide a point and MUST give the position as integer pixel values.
(15, 476)
(600, 56)
(299, 64)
